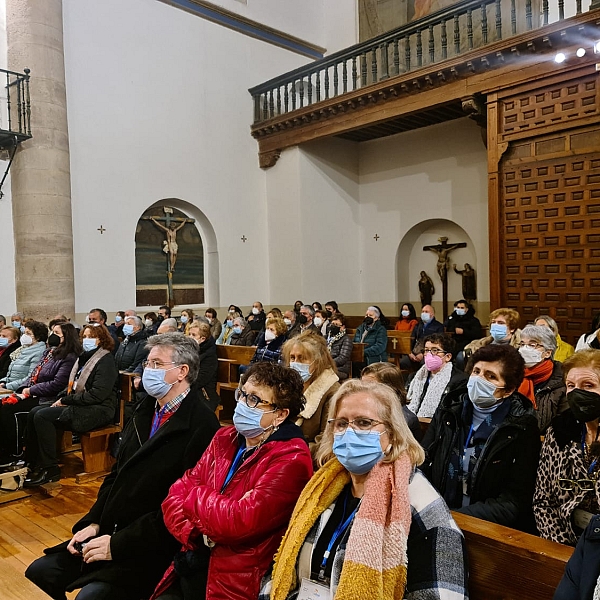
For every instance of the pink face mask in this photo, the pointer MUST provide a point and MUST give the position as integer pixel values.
(433, 362)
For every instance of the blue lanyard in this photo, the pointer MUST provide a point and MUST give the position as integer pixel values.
(157, 420)
(340, 529)
(234, 466)
(469, 437)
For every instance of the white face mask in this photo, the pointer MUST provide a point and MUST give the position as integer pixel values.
(531, 356)
(269, 335)
(255, 311)
(288, 322)
(318, 321)
(148, 322)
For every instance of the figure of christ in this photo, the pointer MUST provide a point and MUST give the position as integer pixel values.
(443, 250)
(170, 244)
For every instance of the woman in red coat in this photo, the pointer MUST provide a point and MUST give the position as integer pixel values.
(231, 510)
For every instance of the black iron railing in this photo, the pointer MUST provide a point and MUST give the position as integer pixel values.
(445, 34)
(15, 108)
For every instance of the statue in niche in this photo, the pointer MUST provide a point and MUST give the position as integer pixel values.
(469, 288)
(426, 289)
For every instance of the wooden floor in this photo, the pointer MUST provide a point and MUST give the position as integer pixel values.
(29, 525)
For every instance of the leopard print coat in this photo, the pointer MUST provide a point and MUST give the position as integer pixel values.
(561, 457)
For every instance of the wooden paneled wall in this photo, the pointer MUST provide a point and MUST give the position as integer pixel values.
(544, 193)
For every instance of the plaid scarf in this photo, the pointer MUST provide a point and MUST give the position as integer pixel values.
(375, 556)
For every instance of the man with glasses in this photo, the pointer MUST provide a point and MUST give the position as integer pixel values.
(121, 547)
(436, 378)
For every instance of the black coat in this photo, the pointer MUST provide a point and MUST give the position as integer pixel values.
(246, 338)
(258, 321)
(470, 325)
(421, 331)
(504, 477)
(5, 357)
(132, 351)
(128, 503)
(206, 382)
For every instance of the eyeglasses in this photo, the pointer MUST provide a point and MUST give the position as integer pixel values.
(251, 400)
(434, 351)
(155, 364)
(585, 485)
(360, 425)
(533, 345)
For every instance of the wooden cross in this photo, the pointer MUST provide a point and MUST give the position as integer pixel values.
(101, 229)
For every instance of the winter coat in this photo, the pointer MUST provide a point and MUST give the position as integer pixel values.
(321, 394)
(583, 569)
(128, 503)
(132, 351)
(96, 404)
(21, 367)
(206, 382)
(504, 477)
(6, 358)
(375, 340)
(470, 325)
(247, 519)
(421, 331)
(53, 378)
(341, 352)
(215, 328)
(551, 398)
(257, 322)
(246, 338)
(563, 350)
(561, 458)
(270, 352)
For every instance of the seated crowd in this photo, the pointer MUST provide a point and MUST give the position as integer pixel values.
(325, 484)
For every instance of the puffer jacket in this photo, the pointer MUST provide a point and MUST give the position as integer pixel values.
(21, 367)
(341, 352)
(268, 352)
(504, 477)
(247, 519)
(375, 340)
(551, 398)
(53, 378)
(132, 351)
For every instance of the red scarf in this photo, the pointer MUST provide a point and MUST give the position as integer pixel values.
(534, 376)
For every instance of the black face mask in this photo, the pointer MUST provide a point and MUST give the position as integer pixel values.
(302, 319)
(53, 340)
(368, 321)
(585, 405)
(334, 330)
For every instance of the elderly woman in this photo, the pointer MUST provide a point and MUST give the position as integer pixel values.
(215, 325)
(243, 334)
(271, 342)
(206, 382)
(563, 350)
(483, 446)
(9, 344)
(307, 354)
(391, 375)
(543, 381)
(89, 401)
(27, 356)
(567, 493)
(340, 345)
(367, 510)
(436, 378)
(230, 511)
(504, 329)
(373, 334)
(132, 351)
(227, 330)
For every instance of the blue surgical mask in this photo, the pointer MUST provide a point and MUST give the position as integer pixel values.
(461, 312)
(16, 324)
(184, 319)
(154, 382)
(22, 329)
(358, 452)
(406, 313)
(481, 392)
(498, 331)
(3, 342)
(425, 317)
(247, 420)
(127, 329)
(303, 369)
(118, 319)
(237, 329)
(229, 323)
(89, 344)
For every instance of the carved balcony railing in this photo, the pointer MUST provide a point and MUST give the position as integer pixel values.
(15, 108)
(448, 33)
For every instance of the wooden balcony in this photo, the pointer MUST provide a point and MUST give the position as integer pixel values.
(435, 69)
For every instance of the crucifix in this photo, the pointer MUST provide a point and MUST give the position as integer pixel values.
(443, 250)
(171, 226)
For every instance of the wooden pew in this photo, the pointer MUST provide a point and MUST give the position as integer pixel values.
(506, 564)
(398, 344)
(228, 376)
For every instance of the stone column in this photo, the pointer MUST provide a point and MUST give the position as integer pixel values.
(40, 174)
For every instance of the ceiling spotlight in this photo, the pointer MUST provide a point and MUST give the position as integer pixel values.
(560, 58)
(580, 52)
(597, 47)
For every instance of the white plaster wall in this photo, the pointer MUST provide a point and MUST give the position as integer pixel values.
(158, 108)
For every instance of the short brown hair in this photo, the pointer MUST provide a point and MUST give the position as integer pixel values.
(100, 332)
(513, 318)
(279, 324)
(583, 358)
(390, 374)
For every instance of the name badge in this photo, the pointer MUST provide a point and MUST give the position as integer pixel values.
(311, 590)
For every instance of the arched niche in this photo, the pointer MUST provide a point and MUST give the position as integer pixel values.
(195, 278)
(411, 259)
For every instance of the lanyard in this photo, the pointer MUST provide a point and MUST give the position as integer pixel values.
(340, 529)
(469, 437)
(234, 466)
(157, 420)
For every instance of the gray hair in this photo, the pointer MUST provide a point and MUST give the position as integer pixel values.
(375, 310)
(240, 321)
(310, 309)
(540, 334)
(170, 324)
(131, 311)
(136, 321)
(551, 322)
(184, 351)
(18, 314)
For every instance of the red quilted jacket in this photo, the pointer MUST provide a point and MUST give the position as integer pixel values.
(247, 521)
